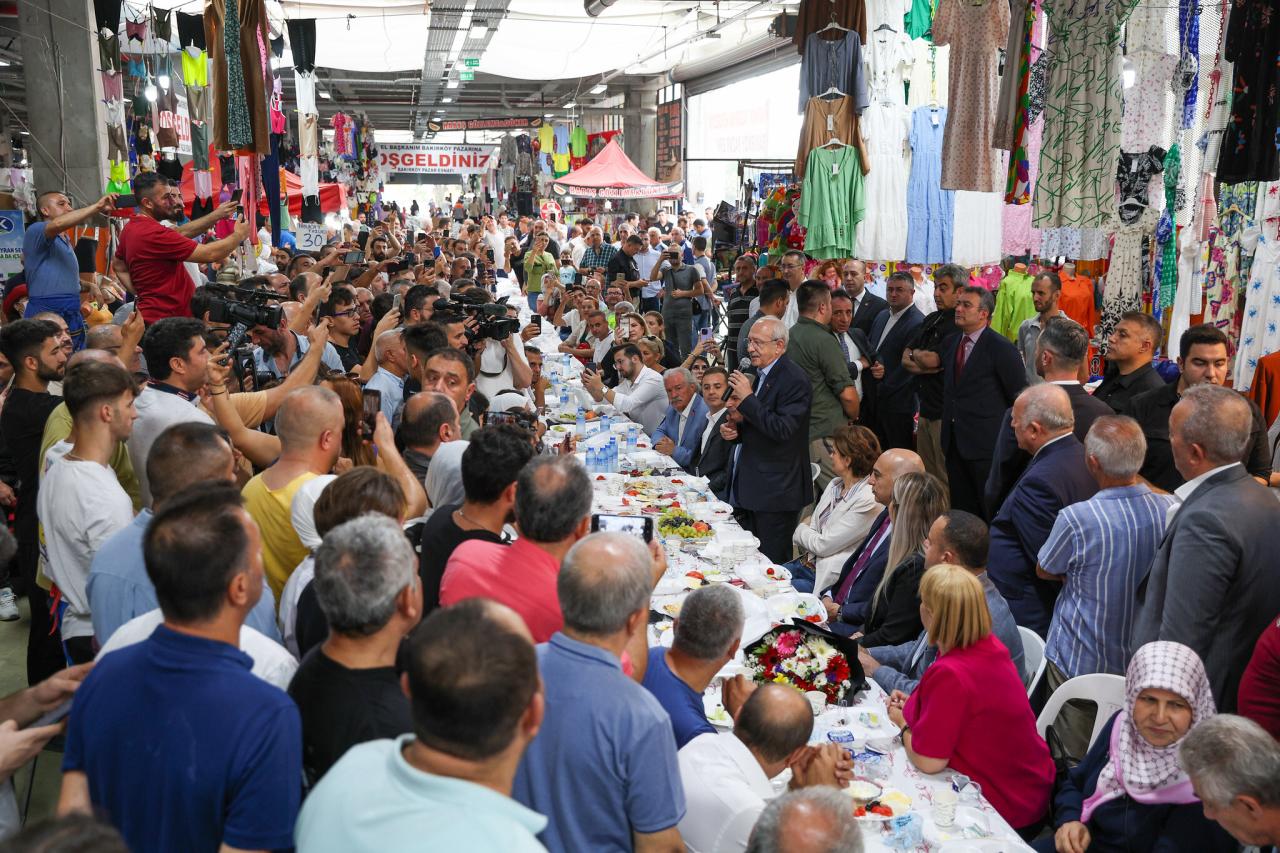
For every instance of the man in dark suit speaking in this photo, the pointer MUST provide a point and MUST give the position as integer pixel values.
(1213, 583)
(895, 410)
(769, 419)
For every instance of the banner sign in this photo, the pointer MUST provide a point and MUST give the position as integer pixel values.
(506, 123)
(675, 189)
(311, 237)
(427, 158)
(11, 234)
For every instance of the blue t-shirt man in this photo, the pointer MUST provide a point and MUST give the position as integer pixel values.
(679, 700)
(604, 762)
(185, 750)
(53, 278)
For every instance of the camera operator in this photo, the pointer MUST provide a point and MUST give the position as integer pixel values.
(502, 364)
(279, 350)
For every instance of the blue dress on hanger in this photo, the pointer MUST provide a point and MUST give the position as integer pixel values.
(930, 208)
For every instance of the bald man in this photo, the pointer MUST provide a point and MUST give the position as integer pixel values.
(849, 598)
(309, 424)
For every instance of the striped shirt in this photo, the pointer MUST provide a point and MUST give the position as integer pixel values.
(1101, 547)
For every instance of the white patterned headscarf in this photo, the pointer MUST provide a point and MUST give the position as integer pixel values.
(1146, 773)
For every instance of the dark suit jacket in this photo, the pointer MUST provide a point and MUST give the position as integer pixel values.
(896, 390)
(973, 404)
(1056, 478)
(853, 610)
(716, 463)
(773, 473)
(868, 311)
(1213, 583)
(1011, 460)
(896, 616)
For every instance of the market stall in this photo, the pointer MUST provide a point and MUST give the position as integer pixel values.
(611, 174)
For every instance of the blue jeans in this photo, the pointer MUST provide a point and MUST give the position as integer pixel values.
(802, 577)
(533, 302)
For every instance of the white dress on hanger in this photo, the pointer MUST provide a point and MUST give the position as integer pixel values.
(929, 79)
(888, 57)
(979, 228)
(882, 235)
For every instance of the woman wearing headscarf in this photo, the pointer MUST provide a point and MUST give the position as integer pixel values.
(1130, 792)
(444, 477)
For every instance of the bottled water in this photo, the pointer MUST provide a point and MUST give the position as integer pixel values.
(581, 426)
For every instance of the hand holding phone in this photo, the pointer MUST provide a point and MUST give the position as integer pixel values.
(371, 404)
(633, 525)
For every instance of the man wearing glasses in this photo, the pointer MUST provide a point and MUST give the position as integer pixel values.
(345, 326)
(769, 419)
(792, 267)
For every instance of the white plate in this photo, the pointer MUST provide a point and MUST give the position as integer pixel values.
(789, 605)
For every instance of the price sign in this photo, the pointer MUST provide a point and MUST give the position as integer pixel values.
(311, 237)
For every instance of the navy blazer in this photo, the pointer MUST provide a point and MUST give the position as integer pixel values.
(1010, 460)
(990, 382)
(896, 390)
(715, 462)
(686, 452)
(869, 309)
(853, 610)
(1056, 478)
(772, 472)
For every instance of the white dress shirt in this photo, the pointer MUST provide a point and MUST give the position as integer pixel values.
(855, 356)
(894, 317)
(713, 423)
(644, 400)
(790, 315)
(725, 790)
(923, 297)
(1188, 488)
(684, 417)
(601, 349)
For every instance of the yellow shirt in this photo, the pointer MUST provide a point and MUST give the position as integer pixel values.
(282, 550)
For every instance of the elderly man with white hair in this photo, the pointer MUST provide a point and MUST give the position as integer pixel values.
(1056, 477)
(680, 433)
(810, 820)
(1212, 584)
(1098, 550)
(1234, 767)
(393, 367)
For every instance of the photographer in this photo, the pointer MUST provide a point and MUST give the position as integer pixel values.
(279, 350)
(680, 284)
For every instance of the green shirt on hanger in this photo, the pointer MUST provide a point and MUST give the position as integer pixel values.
(1013, 304)
(832, 202)
(578, 142)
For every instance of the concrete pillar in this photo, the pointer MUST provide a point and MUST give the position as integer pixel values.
(67, 147)
(639, 124)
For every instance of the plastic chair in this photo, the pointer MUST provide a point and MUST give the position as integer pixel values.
(1106, 691)
(1033, 661)
(817, 470)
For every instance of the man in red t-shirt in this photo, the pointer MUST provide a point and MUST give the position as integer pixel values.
(1259, 694)
(155, 253)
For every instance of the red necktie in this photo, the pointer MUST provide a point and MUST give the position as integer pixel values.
(960, 354)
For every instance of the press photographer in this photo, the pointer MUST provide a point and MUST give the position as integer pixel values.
(500, 367)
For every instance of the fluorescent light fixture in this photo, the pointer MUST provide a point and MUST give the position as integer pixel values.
(452, 84)
(4, 63)
(164, 81)
(150, 92)
(570, 105)
(325, 95)
(547, 115)
(446, 100)
(478, 30)
(599, 88)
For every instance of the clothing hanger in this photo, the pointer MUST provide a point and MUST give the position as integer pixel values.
(885, 27)
(837, 142)
(833, 91)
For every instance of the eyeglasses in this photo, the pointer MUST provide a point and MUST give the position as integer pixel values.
(350, 312)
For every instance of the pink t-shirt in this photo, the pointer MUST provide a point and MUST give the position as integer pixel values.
(971, 709)
(520, 575)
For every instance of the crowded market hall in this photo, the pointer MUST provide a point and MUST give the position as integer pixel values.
(786, 426)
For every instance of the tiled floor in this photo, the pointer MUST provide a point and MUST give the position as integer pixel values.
(13, 677)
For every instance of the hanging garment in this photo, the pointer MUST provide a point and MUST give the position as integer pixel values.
(112, 86)
(162, 24)
(195, 67)
(342, 145)
(1168, 242)
(978, 229)
(888, 55)
(278, 122)
(117, 148)
(1017, 187)
(304, 89)
(115, 113)
(928, 81)
(171, 168)
(1013, 303)
(1081, 244)
(1253, 43)
(198, 103)
(191, 31)
(577, 142)
(1133, 179)
(167, 122)
(813, 16)
(136, 67)
(118, 176)
(833, 63)
(302, 43)
(1228, 264)
(561, 139)
(248, 178)
(825, 120)
(1082, 113)
(233, 29)
(559, 165)
(1147, 121)
(1123, 291)
(202, 181)
(199, 145)
(142, 139)
(308, 135)
(1077, 300)
(1019, 237)
(106, 13)
(309, 172)
(109, 52)
(883, 235)
(919, 19)
(930, 208)
(135, 29)
(546, 139)
(1016, 76)
(975, 34)
(1217, 111)
(832, 202)
(1264, 387)
(1186, 75)
(269, 169)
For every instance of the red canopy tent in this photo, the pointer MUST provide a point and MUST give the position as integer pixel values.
(333, 197)
(611, 174)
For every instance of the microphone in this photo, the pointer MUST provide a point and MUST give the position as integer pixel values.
(744, 364)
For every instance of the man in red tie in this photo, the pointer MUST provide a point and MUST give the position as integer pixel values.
(982, 374)
(848, 599)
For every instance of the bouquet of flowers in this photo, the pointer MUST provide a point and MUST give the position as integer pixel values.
(805, 658)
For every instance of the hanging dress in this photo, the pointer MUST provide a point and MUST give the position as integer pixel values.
(930, 208)
(832, 202)
(883, 236)
(1253, 43)
(975, 34)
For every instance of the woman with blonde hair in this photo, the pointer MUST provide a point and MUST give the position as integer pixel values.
(970, 712)
(894, 616)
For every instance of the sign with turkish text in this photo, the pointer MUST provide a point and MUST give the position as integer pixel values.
(426, 158)
(504, 123)
(311, 236)
(673, 189)
(11, 234)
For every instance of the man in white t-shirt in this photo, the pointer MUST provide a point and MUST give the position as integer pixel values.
(503, 367)
(81, 504)
(178, 362)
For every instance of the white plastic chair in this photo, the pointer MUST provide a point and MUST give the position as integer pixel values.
(817, 469)
(1033, 661)
(1106, 691)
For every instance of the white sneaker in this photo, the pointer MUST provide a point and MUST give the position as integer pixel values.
(8, 605)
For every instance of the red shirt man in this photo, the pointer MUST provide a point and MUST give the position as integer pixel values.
(520, 575)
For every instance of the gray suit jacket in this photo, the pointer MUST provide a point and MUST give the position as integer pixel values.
(1213, 584)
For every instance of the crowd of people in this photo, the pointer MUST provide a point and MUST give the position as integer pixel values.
(292, 538)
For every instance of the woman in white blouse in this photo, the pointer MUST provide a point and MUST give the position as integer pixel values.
(844, 513)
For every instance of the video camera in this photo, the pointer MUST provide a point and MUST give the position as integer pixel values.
(242, 308)
(491, 318)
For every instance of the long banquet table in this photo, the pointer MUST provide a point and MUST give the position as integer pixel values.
(731, 556)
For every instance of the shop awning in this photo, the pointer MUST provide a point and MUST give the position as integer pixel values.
(611, 174)
(333, 197)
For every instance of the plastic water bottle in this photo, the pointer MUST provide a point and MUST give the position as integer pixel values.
(593, 461)
(581, 426)
(613, 453)
(564, 396)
